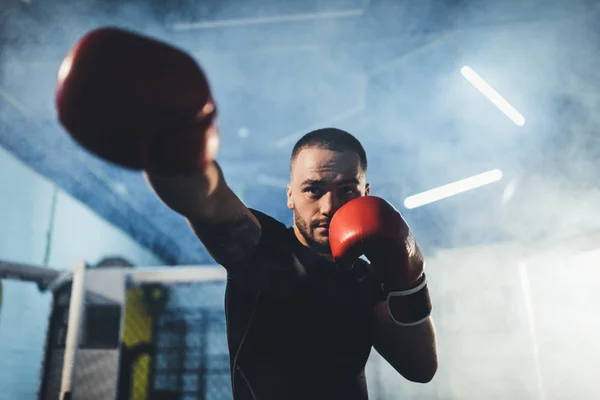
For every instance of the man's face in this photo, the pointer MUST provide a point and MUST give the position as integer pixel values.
(321, 182)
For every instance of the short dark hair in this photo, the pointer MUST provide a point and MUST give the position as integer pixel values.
(330, 139)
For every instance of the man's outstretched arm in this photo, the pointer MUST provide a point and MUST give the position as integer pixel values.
(146, 105)
(222, 222)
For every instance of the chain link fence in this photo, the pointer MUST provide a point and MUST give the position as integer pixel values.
(175, 343)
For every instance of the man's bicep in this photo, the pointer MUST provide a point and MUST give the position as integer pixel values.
(229, 241)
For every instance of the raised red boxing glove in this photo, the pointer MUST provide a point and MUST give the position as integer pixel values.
(137, 102)
(372, 227)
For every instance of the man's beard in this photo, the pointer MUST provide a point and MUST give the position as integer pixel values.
(318, 244)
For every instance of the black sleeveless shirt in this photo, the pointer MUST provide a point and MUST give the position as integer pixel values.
(298, 327)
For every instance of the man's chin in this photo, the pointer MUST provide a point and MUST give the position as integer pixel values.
(322, 244)
(321, 237)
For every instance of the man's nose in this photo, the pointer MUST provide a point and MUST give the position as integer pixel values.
(329, 204)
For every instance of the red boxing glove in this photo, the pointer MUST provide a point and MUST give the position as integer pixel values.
(372, 227)
(137, 102)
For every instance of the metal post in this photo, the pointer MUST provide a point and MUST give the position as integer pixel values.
(525, 288)
(76, 313)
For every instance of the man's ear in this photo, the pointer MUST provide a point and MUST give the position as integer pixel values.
(367, 189)
(288, 192)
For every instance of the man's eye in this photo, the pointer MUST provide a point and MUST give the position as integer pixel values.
(348, 191)
(313, 191)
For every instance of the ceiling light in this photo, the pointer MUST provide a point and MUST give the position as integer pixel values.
(492, 95)
(452, 189)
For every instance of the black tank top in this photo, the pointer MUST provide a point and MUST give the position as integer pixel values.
(298, 327)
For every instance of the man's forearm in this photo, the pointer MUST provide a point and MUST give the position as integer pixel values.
(193, 196)
(418, 343)
(411, 350)
(217, 216)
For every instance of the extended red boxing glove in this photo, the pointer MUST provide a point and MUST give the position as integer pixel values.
(137, 102)
(372, 227)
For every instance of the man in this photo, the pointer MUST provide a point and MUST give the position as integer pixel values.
(303, 309)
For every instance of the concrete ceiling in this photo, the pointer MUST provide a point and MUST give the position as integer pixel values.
(387, 71)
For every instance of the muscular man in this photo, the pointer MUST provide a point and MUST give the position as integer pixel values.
(303, 308)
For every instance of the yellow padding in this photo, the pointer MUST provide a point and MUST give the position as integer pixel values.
(138, 329)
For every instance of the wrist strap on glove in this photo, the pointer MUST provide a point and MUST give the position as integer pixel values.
(412, 306)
